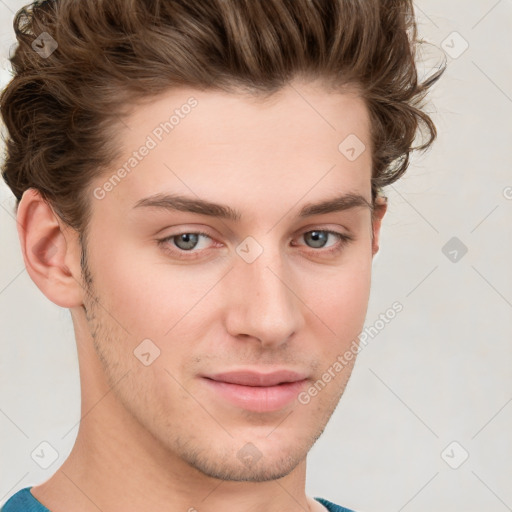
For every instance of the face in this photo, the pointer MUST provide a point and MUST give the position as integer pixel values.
(180, 297)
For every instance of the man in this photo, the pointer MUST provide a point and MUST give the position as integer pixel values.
(200, 184)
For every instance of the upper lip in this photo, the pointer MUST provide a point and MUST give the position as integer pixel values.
(253, 378)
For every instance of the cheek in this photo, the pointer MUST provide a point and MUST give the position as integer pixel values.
(146, 295)
(340, 297)
(342, 317)
(127, 287)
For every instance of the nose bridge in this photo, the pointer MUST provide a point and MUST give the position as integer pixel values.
(263, 305)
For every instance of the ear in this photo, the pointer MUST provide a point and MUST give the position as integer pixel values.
(381, 206)
(51, 251)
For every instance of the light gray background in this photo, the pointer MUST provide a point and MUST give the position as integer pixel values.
(441, 371)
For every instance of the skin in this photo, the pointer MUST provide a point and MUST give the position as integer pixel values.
(156, 437)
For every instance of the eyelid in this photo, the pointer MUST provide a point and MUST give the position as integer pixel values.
(343, 240)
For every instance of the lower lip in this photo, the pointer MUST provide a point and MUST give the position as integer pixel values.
(256, 398)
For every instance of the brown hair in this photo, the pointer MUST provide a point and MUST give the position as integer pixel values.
(61, 109)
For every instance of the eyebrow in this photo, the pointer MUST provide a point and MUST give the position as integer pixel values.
(182, 203)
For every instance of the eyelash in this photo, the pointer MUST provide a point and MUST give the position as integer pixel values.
(181, 254)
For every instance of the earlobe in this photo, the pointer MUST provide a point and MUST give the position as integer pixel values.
(49, 253)
(381, 207)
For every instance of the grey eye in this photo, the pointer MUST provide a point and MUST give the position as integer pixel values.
(318, 238)
(186, 241)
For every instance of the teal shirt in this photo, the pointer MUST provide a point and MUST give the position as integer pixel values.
(23, 501)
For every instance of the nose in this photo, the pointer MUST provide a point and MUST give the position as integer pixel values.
(261, 300)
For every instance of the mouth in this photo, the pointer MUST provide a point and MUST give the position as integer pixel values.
(255, 391)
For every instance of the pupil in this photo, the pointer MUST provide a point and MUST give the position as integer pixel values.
(318, 236)
(189, 239)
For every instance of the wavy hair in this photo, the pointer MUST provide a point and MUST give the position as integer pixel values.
(61, 111)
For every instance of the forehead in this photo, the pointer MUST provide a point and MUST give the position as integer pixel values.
(300, 145)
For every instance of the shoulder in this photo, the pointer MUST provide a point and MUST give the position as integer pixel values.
(23, 501)
(331, 507)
